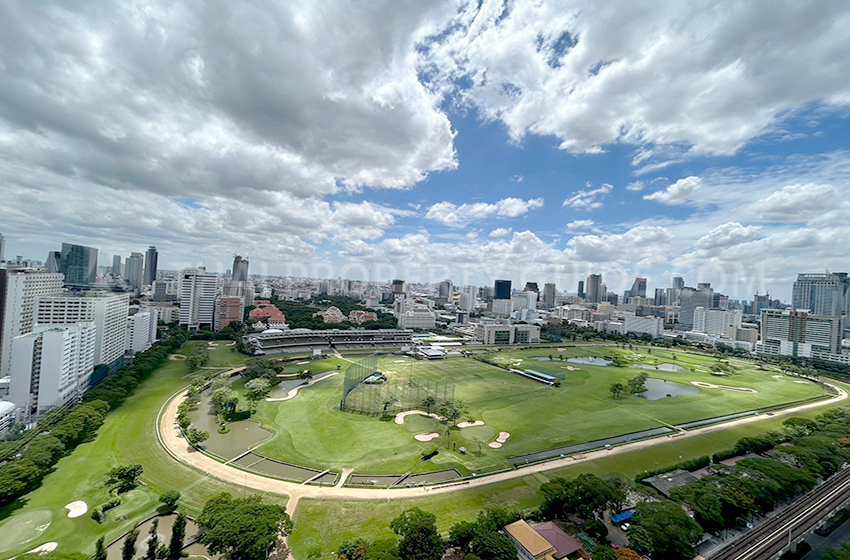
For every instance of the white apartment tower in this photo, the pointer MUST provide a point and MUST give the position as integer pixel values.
(198, 294)
(18, 292)
(141, 331)
(108, 311)
(51, 367)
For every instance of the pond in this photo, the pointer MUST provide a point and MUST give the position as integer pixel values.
(657, 389)
(664, 367)
(590, 361)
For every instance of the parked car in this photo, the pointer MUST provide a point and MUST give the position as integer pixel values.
(626, 526)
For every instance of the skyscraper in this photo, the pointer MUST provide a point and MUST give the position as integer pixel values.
(446, 289)
(639, 287)
(2, 248)
(826, 295)
(580, 292)
(549, 295)
(134, 270)
(116, 265)
(594, 288)
(78, 264)
(198, 295)
(502, 289)
(150, 265)
(531, 287)
(240, 269)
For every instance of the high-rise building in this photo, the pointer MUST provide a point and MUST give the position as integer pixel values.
(53, 263)
(827, 294)
(240, 269)
(141, 331)
(198, 299)
(230, 309)
(580, 292)
(2, 248)
(798, 333)
(116, 265)
(653, 326)
(638, 288)
(717, 322)
(691, 299)
(51, 367)
(594, 288)
(502, 289)
(549, 295)
(525, 300)
(151, 258)
(108, 311)
(660, 296)
(78, 264)
(18, 292)
(678, 286)
(532, 287)
(398, 287)
(134, 270)
(446, 289)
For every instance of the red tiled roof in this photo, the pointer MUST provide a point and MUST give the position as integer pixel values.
(563, 543)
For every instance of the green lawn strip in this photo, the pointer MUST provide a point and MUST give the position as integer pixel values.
(327, 523)
(127, 436)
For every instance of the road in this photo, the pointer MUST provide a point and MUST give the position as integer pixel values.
(791, 523)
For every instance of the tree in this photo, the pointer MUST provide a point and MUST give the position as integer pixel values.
(128, 549)
(388, 402)
(244, 528)
(842, 552)
(618, 389)
(257, 389)
(353, 550)
(493, 546)
(196, 436)
(178, 534)
(664, 526)
(637, 384)
(170, 499)
(429, 403)
(153, 541)
(99, 550)
(124, 478)
(419, 537)
(604, 553)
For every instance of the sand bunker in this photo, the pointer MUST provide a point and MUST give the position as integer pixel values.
(399, 361)
(399, 418)
(724, 387)
(470, 424)
(176, 357)
(803, 382)
(45, 548)
(503, 437)
(301, 363)
(426, 437)
(777, 377)
(76, 509)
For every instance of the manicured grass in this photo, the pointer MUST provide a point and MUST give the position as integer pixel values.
(327, 523)
(127, 436)
(311, 431)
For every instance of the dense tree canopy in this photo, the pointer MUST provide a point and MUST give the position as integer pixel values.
(244, 528)
(664, 530)
(419, 539)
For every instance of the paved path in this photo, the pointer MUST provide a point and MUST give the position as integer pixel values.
(176, 445)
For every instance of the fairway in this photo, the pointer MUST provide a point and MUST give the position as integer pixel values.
(310, 430)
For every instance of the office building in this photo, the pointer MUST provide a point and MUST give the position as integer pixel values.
(525, 300)
(690, 299)
(79, 265)
(107, 310)
(240, 269)
(595, 292)
(581, 292)
(798, 333)
(18, 292)
(51, 367)
(151, 258)
(549, 295)
(230, 310)
(653, 326)
(503, 307)
(8, 415)
(466, 301)
(53, 263)
(198, 299)
(531, 287)
(717, 322)
(827, 294)
(116, 265)
(638, 288)
(502, 289)
(445, 290)
(2, 248)
(491, 335)
(417, 318)
(660, 296)
(141, 331)
(398, 287)
(134, 270)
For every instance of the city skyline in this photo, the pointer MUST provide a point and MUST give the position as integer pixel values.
(448, 140)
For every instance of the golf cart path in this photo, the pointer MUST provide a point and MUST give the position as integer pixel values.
(172, 440)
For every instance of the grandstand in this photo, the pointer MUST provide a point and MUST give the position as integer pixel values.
(275, 341)
(538, 376)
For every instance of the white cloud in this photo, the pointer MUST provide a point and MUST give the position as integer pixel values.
(727, 235)
(636, 186)
(799, 203)
(580, 224)
(450, 214)
(678, 192)
(665, 73)
(587, 198)
(622, 247)
(501, 232)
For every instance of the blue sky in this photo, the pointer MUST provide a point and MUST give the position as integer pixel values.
(534, 141)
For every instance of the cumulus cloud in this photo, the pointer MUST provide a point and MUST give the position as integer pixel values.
(587, 198)
(727, 235)
(450, 214)
(621, 247)
(665, 73)
(580, 224)
(501, 232)
(799, 203)
(678, 192)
